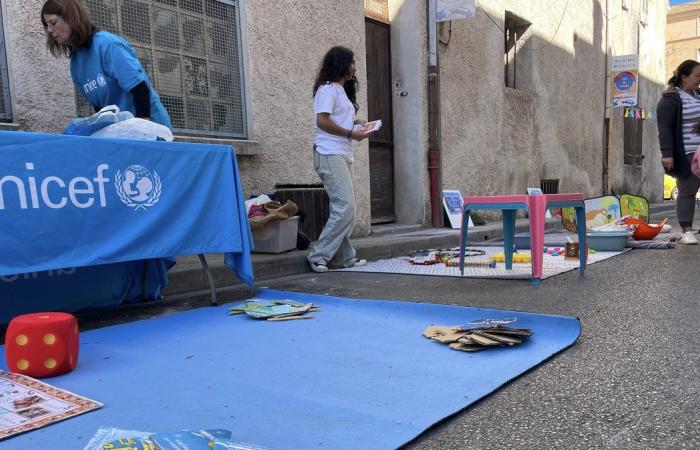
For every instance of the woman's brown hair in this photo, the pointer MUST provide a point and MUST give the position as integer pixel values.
(77, 18)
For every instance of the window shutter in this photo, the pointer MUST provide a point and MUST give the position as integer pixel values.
(377, 9)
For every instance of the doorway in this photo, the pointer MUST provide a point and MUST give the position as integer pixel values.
(381, 143)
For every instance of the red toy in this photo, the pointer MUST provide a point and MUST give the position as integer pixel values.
(42, 344)
(645, 231)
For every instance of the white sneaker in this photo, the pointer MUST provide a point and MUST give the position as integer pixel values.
(689, 238)
(356, 263)
(318, 267)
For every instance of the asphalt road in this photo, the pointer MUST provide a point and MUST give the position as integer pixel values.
(632, 381)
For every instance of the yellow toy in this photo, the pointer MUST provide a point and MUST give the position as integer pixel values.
(517, 257)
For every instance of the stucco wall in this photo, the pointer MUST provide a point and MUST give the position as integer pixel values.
(555, 60)
(410, 110)
(471, 102)
(650, 46)
(42, 92)
(682, 39)
(498, 142)
(683, 27)
(494, 140)
(286, 42)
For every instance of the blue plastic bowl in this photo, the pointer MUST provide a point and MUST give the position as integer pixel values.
(607, 241)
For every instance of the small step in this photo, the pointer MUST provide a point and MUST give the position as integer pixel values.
(394, 228)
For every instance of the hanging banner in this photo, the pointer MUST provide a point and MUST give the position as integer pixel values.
(455, 9)
(624, 76)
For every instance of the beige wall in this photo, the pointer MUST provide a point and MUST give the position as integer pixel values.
(40, 85)
(495, 140)
(682, 39)
(683, 27)
(623, 40)
(500, 141)
(286, 42)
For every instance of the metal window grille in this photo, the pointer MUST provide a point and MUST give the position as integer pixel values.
(550, 186)
(192, 52)
(5, 105)
(377, 9)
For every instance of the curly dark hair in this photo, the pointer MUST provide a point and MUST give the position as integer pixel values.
(336, 66)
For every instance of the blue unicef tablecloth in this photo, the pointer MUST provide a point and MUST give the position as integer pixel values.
(89, 219)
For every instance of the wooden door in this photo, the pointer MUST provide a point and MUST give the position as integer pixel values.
(381, 143)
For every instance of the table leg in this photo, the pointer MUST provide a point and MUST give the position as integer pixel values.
(536, 209)
(210, 278)
(508, 236)
(581, 229)
(463, 241)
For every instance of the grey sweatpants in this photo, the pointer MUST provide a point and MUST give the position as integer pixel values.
(333, 246)
(685, 202)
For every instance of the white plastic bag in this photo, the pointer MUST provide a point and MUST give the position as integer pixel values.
(138, 129)
(85, 126)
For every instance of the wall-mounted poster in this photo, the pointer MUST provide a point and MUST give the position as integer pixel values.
(455, 9)
(624, 79)
(452, 201)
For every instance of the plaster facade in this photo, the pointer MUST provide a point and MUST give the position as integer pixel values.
(495, 139)
(682, 35)
(498, 140)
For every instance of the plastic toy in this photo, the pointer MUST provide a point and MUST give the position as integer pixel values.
(645, 231)
(42, 344)
(517, 257)
(486, 264)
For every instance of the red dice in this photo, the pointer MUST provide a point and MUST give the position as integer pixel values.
(42, 344)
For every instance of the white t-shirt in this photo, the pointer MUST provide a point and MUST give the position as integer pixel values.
(331, 98)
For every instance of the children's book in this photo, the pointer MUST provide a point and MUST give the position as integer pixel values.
(27, 404)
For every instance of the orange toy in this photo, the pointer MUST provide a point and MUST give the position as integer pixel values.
(42, 344)
(645, 231)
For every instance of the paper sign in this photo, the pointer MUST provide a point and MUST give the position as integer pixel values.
(624, 78)
(452, 202)
(455, 9)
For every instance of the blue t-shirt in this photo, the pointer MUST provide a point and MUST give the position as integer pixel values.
(107, 70)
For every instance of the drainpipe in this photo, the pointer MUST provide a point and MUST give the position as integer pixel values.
(606, 117)
(434, 118)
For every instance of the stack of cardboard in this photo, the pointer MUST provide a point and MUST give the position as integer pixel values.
(475, 338)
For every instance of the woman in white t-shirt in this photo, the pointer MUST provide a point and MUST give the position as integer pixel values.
(335, 106)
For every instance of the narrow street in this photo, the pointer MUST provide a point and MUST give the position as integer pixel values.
(632, 381)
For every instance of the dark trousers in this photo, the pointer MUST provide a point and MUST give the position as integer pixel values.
(685, 203)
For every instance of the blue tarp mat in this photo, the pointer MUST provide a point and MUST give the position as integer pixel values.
(359, 375)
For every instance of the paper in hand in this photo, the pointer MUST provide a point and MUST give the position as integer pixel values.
(368, 127)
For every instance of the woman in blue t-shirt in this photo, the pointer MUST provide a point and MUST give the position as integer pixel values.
(103, 66)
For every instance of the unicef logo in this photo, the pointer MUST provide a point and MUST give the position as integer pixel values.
(101, 79)
(137, 187)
